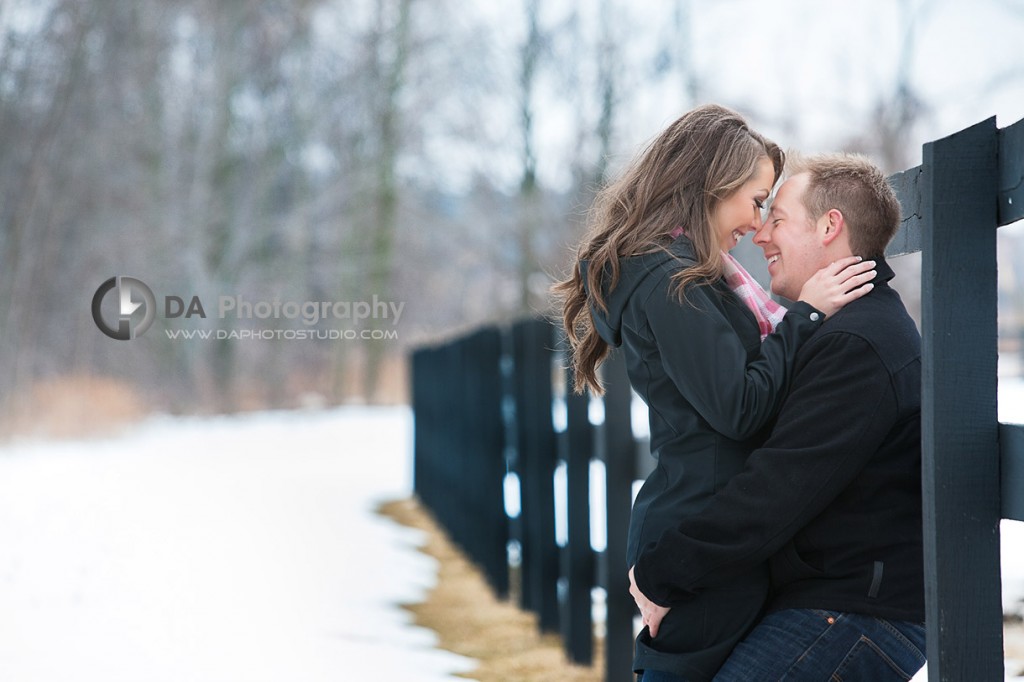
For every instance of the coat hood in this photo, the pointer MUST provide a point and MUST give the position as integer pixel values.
(632, 272)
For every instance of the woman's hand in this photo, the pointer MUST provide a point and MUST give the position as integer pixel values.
(651, 612)
(835, 285)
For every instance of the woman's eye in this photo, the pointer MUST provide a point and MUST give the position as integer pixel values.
(762, 207)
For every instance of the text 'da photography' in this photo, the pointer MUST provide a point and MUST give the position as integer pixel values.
(125, 308)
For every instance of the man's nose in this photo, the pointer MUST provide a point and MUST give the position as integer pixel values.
(762, 237)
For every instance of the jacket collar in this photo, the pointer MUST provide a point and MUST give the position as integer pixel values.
(883, 271)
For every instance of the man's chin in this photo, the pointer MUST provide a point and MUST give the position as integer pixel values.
(778, 291)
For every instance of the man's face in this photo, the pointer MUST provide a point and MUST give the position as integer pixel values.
(790, 240)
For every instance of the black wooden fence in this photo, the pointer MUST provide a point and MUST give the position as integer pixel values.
(510, 427)
(492, 414)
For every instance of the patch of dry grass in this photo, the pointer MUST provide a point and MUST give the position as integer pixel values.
(1013, 648)
(470, 620)
(71, 407)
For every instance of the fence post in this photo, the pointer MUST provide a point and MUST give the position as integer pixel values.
(618, 451)
(960, 467)
(534, 461)
(459, 465)
(484, 456)
(423, 420)
(449, 457)
(576, 447)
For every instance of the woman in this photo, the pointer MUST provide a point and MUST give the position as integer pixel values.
(654, 276)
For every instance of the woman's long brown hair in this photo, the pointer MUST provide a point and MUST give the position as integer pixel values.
(676, 181)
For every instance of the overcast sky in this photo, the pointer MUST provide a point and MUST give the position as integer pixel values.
(807, 72)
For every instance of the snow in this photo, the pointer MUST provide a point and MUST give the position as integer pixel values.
(1011, 410)
(219, 549)
(238, 549)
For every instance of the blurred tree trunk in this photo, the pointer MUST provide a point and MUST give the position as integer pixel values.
(390, 123)
(607, 92)
(30, 238)
(530, 213)
(389, 55)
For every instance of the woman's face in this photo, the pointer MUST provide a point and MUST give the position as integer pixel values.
(741, 212)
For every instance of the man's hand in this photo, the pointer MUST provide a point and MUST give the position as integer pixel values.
(651, 612)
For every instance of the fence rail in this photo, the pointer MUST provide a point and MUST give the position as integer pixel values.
(493, 417)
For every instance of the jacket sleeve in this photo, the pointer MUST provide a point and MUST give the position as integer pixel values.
(707, 360)
(836, 416)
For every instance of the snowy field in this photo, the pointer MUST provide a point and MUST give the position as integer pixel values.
(1011, 411)
(215, 550)
(237, 549)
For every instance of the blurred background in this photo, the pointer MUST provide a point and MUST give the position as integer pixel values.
(430, 154)
(411, 169)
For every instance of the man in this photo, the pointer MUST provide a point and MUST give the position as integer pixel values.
(833, 499)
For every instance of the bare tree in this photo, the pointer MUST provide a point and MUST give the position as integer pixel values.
(390, 44)
(529, 197)
(48, 81)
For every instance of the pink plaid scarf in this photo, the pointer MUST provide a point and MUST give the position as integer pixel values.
(768, 312)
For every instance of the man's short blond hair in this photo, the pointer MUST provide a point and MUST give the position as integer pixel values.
(856, 187)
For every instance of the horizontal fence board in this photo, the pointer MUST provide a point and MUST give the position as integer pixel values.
(1011, 459)
(1011, 173)
(908, 191)
(1010, 192)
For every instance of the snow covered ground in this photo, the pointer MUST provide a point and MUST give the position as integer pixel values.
(1011, 410)
(215, 550)
(236, 549)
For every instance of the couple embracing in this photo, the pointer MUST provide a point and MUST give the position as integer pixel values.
(779, 537)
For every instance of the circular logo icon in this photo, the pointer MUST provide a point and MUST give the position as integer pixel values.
(129, 291)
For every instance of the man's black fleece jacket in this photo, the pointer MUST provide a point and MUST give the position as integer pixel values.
(833, 498)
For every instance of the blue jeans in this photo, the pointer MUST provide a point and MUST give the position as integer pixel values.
(810, 645)
(660, 676)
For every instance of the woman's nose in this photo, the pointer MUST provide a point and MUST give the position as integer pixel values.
(755, 223)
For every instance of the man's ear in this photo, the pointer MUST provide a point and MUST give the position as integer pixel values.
(832, 224)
